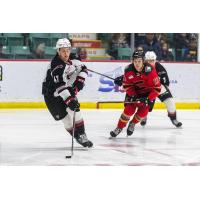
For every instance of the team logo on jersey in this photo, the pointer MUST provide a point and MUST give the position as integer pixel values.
(147, 69)
(130, 77)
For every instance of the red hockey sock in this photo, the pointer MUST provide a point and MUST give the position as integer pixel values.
(123, 120)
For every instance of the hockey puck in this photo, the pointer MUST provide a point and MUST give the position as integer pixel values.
(68, 157)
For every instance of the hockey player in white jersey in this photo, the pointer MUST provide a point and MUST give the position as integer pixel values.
(64, 79)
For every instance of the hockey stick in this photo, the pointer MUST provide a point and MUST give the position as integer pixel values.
(73, 131)
(100, 74)
(107, 76)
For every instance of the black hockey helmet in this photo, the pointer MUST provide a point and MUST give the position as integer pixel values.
(138, 54)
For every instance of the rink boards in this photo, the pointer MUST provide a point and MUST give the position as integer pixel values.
(20, 85)
(94, 105)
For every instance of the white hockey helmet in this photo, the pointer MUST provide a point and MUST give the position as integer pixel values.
(150, 55)
(63, 43)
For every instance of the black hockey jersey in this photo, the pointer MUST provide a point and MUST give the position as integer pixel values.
(162, 73)
(60, 77)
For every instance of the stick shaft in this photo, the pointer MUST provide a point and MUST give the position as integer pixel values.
(73, 131)
(100, 74)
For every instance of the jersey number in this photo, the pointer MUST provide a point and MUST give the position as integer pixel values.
(56, 79)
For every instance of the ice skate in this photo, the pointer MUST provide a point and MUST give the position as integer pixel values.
(116, 132)
(130, 129)
(143, 122)
(176, 123)
(83, 140)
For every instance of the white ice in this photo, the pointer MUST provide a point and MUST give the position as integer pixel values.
(32, 137)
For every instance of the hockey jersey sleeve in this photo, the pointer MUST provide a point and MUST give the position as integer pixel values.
(162, 73)
(81, 76)
(83, 72)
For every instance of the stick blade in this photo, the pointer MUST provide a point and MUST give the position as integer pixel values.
(68, 156)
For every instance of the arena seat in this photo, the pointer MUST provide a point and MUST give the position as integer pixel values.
(20, 52)
(124, 53)
(14, 39)
(50, 52)
(37, 38)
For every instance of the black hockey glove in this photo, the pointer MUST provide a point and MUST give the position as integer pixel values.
(119, 80)
(79, 84)
(129, 99)
(145, 101)
(72, 103)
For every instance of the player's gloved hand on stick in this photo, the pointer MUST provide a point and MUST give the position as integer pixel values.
(131, 99)
(119, 80)
(79, 84)
(144, 100)
(72, 103)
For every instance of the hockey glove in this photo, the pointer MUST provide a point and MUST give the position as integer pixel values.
(72, 103)
(79, 84)
(130, 99)
(145, 101)
(119, 80)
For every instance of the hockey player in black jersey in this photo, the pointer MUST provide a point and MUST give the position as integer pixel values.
(165, 94)
(64, 79)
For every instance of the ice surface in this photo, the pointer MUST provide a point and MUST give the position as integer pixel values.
(32, 137)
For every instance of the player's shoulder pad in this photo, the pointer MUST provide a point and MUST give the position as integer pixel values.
(159, 66)
(128, 68)
(147, 68)
(76, 62)
(57, 66)
(56, 61)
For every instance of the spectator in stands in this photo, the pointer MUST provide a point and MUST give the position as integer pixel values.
(119, 40)
(162, 38)
(166, 55)
(2, 55)
(151, 44)
(181, 41)
(81, 54)
(190, 54)
(139, 38)
(39, 52)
